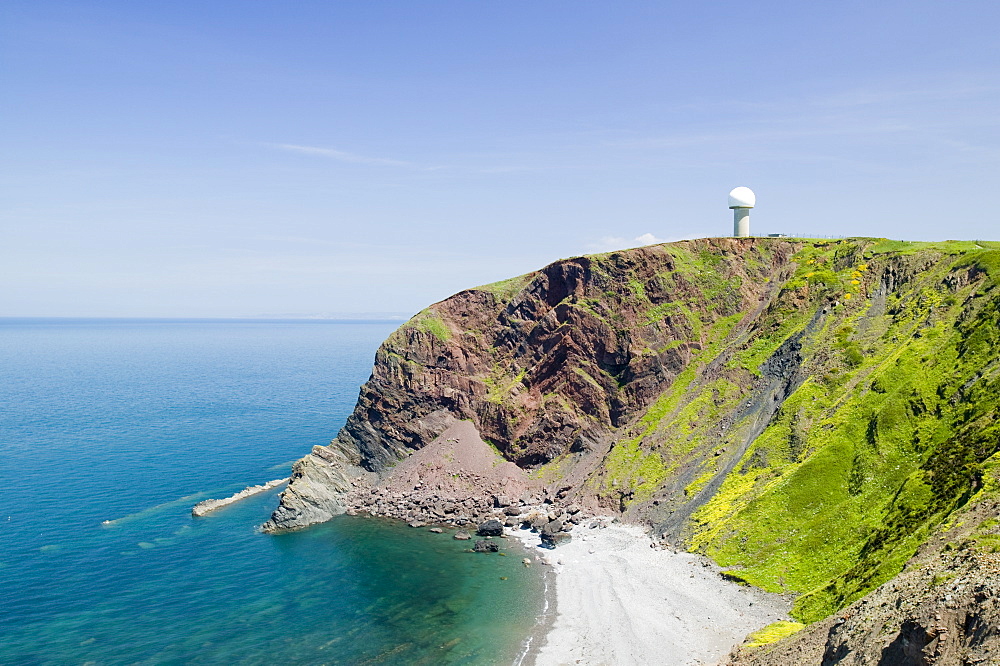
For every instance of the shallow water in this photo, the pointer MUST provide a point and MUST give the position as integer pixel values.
(133, 423)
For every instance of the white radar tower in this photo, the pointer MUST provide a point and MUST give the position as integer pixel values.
(741, 200)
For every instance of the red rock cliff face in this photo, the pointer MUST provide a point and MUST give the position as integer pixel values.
(584, 345)
(552, 362)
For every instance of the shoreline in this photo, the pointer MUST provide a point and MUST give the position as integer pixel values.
(611, 594)
(614, 598)
(545, 621)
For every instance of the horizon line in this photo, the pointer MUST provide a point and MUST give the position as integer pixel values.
(358, 317)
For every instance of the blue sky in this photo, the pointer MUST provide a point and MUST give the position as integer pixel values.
(311, 158)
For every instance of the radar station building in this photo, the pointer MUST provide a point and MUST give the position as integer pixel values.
(741, 200)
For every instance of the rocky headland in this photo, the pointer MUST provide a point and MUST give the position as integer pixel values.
(812, 415)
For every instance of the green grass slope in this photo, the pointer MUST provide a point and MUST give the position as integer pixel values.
(813, 445)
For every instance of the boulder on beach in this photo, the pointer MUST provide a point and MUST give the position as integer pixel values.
(490, 528)
(538, 521)
(553, 526)
(553, 534)
(557, 539)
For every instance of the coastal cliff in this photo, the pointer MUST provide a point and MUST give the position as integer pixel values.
(808, 413)
(546, 365)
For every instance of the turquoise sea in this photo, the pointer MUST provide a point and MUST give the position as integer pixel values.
(133, 422)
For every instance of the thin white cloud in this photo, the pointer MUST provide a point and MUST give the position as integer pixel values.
(880, 95)
(741, 137)
(609, 243)
(867, 115)
(341, 155)
(649, 239)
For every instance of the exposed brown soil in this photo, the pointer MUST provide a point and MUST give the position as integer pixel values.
(459, 480)
(455, 479)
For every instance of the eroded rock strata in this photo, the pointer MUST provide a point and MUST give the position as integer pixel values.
(805, 412)
(544, 365)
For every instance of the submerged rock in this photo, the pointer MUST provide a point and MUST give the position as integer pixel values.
(484, 546)
(462, 535)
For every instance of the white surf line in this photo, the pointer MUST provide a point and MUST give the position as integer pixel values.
(540, 621)
(530, 542)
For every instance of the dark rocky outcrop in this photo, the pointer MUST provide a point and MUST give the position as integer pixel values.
(317, 488)
(490, 528)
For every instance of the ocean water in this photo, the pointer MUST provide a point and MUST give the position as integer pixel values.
(133, 422)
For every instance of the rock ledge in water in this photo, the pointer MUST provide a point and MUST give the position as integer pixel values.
(209, 505)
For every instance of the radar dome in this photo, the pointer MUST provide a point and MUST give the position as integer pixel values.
(742, 197)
